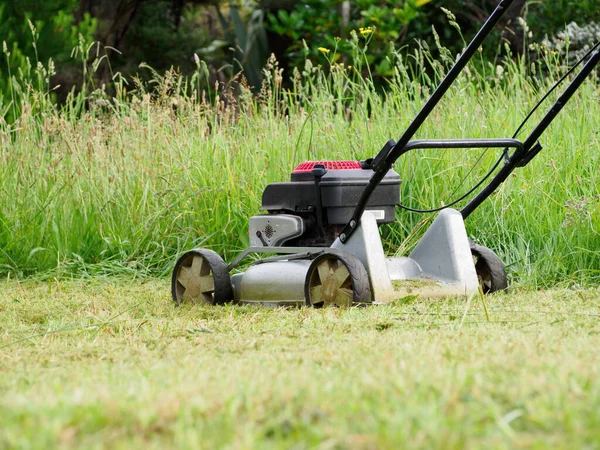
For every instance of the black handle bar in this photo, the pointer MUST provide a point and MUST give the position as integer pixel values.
(384, 161)
(531, 146)
(462, 143)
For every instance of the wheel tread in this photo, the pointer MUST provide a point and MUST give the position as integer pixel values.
(488, 260)
(223, 291)
(361, 286)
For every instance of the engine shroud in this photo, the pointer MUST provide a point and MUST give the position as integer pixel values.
(335, 188)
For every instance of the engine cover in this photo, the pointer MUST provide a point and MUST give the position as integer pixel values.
(274, 230)
(340, 189)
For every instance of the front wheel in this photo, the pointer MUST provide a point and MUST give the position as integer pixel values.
(337, 279)
(490, 269)
(201, 276)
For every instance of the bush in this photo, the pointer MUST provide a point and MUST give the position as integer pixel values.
(23, 25)
(334, 25)
(574, 41)
(549, 18)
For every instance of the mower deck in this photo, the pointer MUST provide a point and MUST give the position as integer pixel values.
(441, 265)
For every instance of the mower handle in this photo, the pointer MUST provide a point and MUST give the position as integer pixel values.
(384, 161)
(531, 146)
(524, 151)
(461, 143)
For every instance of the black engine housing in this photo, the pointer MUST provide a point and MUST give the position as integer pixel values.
(324, 195)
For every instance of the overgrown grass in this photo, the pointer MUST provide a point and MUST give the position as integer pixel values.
(123, 184)
(113, 364)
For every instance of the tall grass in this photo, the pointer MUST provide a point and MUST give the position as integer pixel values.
(123, 183)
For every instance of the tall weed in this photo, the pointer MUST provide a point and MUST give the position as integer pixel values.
(122, 178)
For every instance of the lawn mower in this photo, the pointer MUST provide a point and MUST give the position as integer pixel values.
(319, 241)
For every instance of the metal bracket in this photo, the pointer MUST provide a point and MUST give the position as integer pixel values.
(526, 159)
(294, 257)
(274, 251)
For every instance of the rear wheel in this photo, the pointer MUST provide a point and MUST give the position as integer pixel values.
(490, 269)
(336, 279)
(201, 276)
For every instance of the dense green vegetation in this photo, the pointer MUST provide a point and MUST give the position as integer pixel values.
(122, 174)
(238, 36)
(107, 185)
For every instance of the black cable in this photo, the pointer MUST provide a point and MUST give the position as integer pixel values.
(487, 175)
(553, 88)
(505, 152)
(469, 172)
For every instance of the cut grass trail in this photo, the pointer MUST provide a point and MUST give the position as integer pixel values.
(115, 364)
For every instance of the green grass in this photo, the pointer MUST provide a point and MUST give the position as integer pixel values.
(121, 185)
(115, 364)
(131, 182)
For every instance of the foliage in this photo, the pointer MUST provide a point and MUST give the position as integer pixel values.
(35, 32)
(526, 22)
(324, 24)
(235, 43)
(574, 41)
(247, 43)
(550, 18)
(155, 40)
(123, 184)
(55, 34)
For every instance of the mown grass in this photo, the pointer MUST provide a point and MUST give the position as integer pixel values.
(115, 364)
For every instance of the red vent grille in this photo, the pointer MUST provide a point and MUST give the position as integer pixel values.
(329, 165)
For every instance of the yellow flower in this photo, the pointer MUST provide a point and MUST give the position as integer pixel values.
(366, 31)
(324, 50)
(419, 3)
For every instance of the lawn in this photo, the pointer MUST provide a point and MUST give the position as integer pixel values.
(99, 196)
(112, 363)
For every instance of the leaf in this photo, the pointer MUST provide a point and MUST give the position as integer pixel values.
(200, 329)
(34, 251)
(215, 45)
(241, 34)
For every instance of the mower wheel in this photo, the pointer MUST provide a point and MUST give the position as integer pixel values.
(336, 279)
(201, 276)
(490, 269)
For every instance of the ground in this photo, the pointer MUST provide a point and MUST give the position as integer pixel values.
(109, 362)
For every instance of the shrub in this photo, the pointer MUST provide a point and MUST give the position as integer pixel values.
(574, 41)
(332, 25)
(25, 23)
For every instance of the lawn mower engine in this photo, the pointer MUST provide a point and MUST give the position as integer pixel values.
(312, 208)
